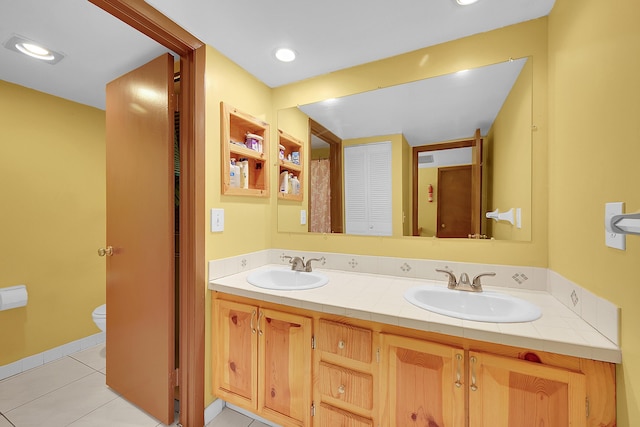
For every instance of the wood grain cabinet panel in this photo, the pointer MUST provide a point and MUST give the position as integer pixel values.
(346, 385)
(262, 361)
(345, 340)
(235, 350)
(506, 392)
(421, 383)
(333, 417)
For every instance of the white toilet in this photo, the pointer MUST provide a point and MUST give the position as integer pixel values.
(99, 316)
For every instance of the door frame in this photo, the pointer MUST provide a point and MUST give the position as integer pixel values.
(147, 20)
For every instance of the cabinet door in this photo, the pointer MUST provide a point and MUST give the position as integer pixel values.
(506, 392)
(421, 383)
(235, 350)
(285, 367)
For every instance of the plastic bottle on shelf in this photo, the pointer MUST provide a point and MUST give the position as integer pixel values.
(284, 182)
(234, 174)
(244, 173)
(295, 185)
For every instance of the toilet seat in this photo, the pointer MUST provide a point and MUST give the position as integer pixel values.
(100, 311)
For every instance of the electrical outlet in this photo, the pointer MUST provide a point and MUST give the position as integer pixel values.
(613, 240)
(217, 220)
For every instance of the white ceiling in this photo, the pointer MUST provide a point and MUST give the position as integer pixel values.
(328, 35)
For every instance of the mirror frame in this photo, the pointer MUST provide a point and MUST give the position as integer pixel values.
(335, 172)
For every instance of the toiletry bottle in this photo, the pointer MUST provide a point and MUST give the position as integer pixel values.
(284, 182)
(295, 185)
(244, 173)
(234, 174)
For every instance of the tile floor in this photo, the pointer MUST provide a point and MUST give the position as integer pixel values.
(71, 392)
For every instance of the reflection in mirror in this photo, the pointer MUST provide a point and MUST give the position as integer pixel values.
(496, 99)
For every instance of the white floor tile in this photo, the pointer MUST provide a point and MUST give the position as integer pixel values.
(64, 405)
(94, 357)
(229, 418)
(23, 388)
(4, 422)
(117, 413)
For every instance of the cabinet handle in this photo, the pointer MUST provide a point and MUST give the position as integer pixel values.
(253, 329)
(473, 386)
(341, 389)
(458, 370)
(260, 316)
(341, 344)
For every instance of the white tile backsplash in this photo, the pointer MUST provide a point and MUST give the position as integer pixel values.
(599, 313)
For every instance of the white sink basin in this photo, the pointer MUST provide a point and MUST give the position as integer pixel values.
(486, 306)
(287, 279)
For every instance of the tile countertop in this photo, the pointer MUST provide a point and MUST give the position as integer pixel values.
(559, 330)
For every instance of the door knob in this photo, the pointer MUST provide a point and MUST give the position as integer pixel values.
(108, 251)
(443, 226)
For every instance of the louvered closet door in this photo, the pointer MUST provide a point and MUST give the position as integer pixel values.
(367, 175)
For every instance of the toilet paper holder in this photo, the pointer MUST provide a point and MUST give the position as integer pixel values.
(13, 297)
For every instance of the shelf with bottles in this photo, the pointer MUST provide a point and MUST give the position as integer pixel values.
(245, 153)
(291, 162)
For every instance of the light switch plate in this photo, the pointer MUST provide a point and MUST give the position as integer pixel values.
(217, 220)
(613, 240)
(303, 217)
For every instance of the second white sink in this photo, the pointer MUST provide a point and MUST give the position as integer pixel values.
(287, 279)
(483, 306)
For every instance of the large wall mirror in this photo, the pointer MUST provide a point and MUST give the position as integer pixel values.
(434, 125)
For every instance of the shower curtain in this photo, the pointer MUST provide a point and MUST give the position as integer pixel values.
(320, 197)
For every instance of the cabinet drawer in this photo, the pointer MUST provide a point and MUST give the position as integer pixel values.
(332, 417)
(346, 385)
(344, 340)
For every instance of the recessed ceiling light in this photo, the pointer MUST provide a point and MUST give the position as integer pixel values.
(32, 49)
(285, 55)
(466, 2)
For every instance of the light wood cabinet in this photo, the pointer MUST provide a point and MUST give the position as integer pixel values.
(364, 373)
(506, 392)
(294, 148)
(345, 375)
(263, 361)
(235, 125)
(422, 383)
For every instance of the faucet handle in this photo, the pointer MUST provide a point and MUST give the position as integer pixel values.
(476, 280)
(452, 278)
(307, 266)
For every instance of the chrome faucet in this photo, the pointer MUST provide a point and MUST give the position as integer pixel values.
(464, 284)
(298, 264)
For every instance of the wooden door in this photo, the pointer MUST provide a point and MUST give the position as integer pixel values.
(284, 382)
(454, 201)
(140, 228)
(235, 353)
(507, 392)
(421, 383)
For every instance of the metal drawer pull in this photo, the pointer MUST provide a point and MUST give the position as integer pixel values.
(473, 386)
(341, 389)
(260, 316)
(458, 373)
(341, 344)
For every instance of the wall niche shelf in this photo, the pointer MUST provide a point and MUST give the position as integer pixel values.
(290, 145)
(234, 127)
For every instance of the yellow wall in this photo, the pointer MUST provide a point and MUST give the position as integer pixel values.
(594, 148)
(52, 171)
(427, 211)
(407, 188)
(509, 161)
(248, 220)
(295, 123)
(526, 39)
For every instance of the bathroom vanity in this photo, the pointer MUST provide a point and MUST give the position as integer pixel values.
(355, 353)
